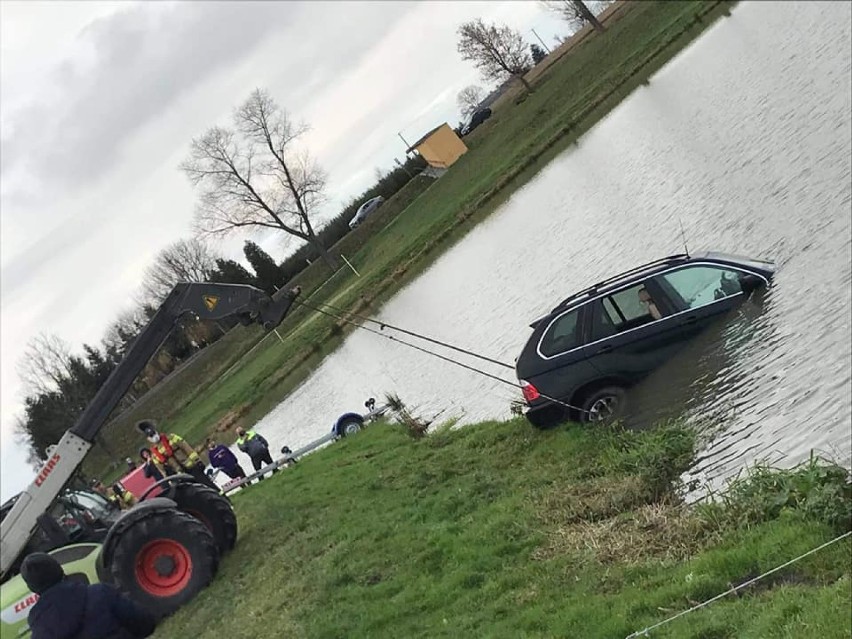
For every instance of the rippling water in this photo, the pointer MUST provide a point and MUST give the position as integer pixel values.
(744, 138)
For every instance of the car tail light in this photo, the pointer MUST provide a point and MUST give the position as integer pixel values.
(530, 392)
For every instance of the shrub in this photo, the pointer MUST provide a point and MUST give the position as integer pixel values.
(818, 488)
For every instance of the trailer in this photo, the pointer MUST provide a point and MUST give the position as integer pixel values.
(346, 425)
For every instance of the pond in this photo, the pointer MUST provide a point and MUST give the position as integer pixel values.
(744, 141)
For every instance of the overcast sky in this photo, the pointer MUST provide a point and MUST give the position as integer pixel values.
(99, 102)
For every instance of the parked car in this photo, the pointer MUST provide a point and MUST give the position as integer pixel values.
(365, 210)
(595, 344)
(479, 116)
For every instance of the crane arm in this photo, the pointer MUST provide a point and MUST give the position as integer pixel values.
(204, 301)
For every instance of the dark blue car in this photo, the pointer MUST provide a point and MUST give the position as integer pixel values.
(585, 353)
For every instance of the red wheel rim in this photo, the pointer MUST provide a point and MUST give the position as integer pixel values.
(163, 567)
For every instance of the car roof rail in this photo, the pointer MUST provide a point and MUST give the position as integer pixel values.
(594, 288)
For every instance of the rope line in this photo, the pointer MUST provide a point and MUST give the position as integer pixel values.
(434, 354)
(426, 338)
(414, 346)
(644, 633)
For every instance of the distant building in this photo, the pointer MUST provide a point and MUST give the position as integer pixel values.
(441, 147)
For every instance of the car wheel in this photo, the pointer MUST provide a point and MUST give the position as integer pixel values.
(604, 405)
(349, 427)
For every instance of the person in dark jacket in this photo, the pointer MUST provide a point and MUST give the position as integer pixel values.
(152, 470)
(69, 609)
(222, 458)
(256, 447)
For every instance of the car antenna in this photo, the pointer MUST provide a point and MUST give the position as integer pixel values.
(683, 236)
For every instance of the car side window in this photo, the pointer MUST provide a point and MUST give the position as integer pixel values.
(701, 285)
(625, 310)
(562, 335)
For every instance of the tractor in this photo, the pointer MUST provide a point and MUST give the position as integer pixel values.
(166, 548)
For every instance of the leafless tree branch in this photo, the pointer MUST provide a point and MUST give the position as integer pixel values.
(496, 50)
(469, 98)
(45, 363)
(251, 176)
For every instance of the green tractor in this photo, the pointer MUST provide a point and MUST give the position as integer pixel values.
(166, 548)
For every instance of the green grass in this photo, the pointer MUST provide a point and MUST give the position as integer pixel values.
(570, 96)
(497, 530)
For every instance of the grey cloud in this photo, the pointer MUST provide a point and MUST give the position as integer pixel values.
(146, 60)
(145, 63)
(19, 271)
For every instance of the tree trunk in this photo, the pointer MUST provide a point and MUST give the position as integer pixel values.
(324, 254)
(526, 84)
(587, 15)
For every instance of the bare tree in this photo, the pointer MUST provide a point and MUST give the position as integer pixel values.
(469, 98)
(496, 50)
(46, 362)
(578, 12)
(252, 177)
(182, 261)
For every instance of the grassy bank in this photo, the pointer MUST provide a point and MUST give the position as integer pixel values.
(570, 96)
(496, 530)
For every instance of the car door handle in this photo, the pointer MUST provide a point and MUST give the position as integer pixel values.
(604, 349)
(689, 321)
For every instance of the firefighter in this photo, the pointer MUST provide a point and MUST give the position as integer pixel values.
(123, 497)
(170, 451)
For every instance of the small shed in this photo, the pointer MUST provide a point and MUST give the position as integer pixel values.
(441, 147)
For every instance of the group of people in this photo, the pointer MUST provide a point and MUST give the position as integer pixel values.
(169, 454)
(249, 442)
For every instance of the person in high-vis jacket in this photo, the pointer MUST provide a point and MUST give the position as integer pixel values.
(172, 452)
(123, 497)
(256, 447)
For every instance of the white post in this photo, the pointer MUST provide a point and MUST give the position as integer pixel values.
(349, 265)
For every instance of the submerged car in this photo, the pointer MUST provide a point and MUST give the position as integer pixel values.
(365, 210)
(585, 353)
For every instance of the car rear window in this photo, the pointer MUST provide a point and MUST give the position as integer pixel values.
(562, 335)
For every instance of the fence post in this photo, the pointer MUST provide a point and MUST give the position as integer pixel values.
(349, 265)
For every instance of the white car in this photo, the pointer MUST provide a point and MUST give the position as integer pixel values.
(366, 209)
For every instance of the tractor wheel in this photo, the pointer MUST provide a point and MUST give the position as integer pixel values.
(163, 560)
(211, 509)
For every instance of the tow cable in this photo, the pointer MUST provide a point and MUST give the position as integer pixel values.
(335, 313)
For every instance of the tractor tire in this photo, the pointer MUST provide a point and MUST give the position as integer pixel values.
(163, 560)
(211, 509)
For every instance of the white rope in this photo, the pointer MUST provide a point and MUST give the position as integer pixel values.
(644, 633)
